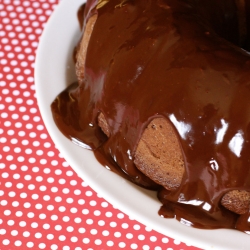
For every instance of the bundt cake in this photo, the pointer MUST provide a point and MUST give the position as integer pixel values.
(163, 99)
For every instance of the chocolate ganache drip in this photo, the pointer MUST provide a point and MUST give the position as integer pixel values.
(164, 58)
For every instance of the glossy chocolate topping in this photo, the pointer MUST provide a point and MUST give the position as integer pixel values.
(162, 58)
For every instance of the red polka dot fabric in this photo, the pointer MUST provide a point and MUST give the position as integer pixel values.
(43, 203)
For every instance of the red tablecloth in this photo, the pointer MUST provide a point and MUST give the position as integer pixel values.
(43, 203)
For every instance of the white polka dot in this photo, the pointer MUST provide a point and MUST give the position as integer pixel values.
(4, 115)
(74, 239)
(54, 217)
(29, 126)
(70, 229)
(62, 238)
(137, 227)
(98, 242)
(58, 199)
(62, 181)
(20, 158)
(27, 177)
(50, 236)
(89, 221)
(24, 168)
(134, 246)
(177, 242)
(46, 226)
(66, 218)
(5, 175)
(7, 123)
(47, 144)
(122, 245)
(42, 188)
(120, 215)
(14, 141)
(54, 189)
(58, 227)
(22, 223)
(39, 206)
(105, 233)
(148, 229)
(26, 234)
(77, 192)
(50, 207)
(125, 225)
(43, 161)
(30, 244)
(14, 62)
(2, 231)
(18, 243)
(158, 248)
(23, 195)
(65, 190)
(81, 201)
(89, 193)
(15, 203)
(30, 215)
(101, 223)
(78, 220)
(85, 211)
(104, 204)
(43, 136)
(129, 236)
(20, 133)
(165, 240)
(69, 200)
(73, 210)
(93, 231)
(19, 213)
(113, 224)
(8, 184)
(110, 243)
(58, 171)
(93, 203)
(97, 213)
(3, 140)
(14, 232)
(81, 230)
(74, 182)
(65, 164)
(117, 234)
(11, 132)
(153, 239)
(46, 197)
(85, 240)
(38, 235)
(39, 152)
(6, 242)
(12, 194)
(27, 205)
(10, 222)
(42, 245)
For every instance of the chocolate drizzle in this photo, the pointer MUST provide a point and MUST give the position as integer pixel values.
(150, 59)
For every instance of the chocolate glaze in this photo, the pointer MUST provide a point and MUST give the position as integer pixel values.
(162, 58)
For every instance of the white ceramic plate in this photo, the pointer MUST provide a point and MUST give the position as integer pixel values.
(54, 70)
